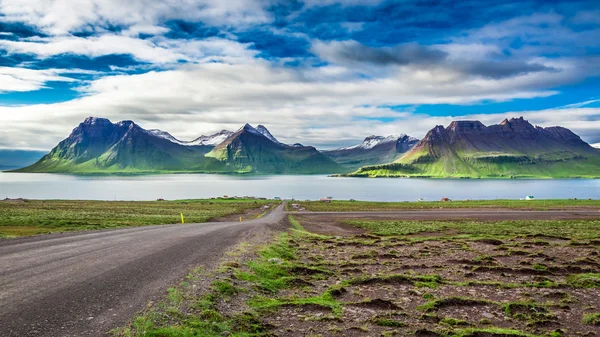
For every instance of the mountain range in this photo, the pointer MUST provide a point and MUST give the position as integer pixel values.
(512, 149)
(465, 149)
(99, 146)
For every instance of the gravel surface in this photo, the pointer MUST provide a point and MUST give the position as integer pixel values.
(87, 283)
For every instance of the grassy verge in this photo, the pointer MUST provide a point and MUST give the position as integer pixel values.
(571, 229)
(399, 279)
(358, 206)
(33, 217)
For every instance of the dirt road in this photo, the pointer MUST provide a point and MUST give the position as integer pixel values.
(86, 283)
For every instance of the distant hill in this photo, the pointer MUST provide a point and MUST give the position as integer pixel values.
(12, 159)
(373, 150)
(511, 149)
(99, 146)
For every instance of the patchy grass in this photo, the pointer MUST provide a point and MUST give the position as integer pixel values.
(360, 206)
(35, 217)
(451, 301)
(592, 319)
(575, 229)
(589, 280)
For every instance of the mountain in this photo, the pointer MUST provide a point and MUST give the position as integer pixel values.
(256, 150)
(12, 159)
(99, 146)
(511, 149)
(373, 150)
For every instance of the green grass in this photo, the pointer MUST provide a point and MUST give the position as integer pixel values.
(451, 301)
(491, 332)
(35, 217)
(572, 229)
(592, 319)
(358, 206)
(295, 223)
(589, 280)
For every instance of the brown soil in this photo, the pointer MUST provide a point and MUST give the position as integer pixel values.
(478, 279)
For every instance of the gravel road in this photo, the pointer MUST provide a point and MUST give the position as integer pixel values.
(86, 283)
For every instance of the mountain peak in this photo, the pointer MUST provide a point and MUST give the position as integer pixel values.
(520, 122)
(460, 126)
(248, 127)
(96, 121)
(265, 132)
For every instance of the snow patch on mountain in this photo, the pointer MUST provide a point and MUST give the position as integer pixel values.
(263, 130)
(165, 135)
(597, 145)
(212, 140)
(372, 141)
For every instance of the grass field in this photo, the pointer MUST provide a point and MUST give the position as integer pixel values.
(400, 278)
(569, 229)
(33, 217)
(358, 206)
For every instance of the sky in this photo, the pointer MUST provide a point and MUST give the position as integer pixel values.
(325, 73)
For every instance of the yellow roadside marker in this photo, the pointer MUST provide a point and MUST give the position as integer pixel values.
(182, 219)
(240, 219)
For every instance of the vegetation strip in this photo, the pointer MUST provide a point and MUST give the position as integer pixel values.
(366, 206)
(33, 217)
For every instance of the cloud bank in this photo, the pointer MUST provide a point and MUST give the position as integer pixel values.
(319, 73)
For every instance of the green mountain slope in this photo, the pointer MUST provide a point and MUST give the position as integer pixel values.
(254, 150)
(99, 146)
(511, 149)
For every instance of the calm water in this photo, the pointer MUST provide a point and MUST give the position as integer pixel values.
(183, 186)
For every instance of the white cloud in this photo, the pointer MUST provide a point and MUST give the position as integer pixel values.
(59, 17)
(155, 50)
(14, 79)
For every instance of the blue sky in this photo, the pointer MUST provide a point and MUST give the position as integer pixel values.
(326, 73)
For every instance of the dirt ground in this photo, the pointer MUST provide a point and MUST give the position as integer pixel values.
(327, 278)
(390, 286)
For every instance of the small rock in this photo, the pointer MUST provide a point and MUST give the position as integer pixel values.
(487, 315)
(225, 333)
(275, 260)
